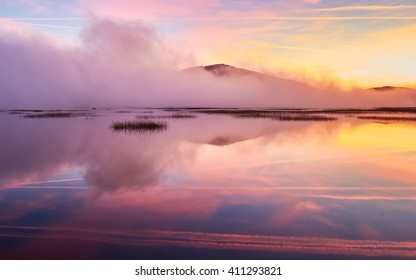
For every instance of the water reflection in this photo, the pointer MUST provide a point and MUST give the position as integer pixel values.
(269, 188)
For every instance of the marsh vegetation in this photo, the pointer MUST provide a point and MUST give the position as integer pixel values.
(170, 116)
(280, 115)
(139, 126)
(388, 118)
(302, 114)
(46, 114)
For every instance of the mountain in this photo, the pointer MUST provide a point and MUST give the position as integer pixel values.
(262, 90)
(390, 88)
(243, 88)
(228, 71)
(224, 70)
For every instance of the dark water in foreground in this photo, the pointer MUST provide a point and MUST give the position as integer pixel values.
(208, 187)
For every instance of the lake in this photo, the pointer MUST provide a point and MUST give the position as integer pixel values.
(208, 184)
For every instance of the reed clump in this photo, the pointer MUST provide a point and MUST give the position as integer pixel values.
(139, 126)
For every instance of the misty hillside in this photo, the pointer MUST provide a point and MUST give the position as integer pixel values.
(224, 70)
(228, 71)
(390, 88)
(284, 92)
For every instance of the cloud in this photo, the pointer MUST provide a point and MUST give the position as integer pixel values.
(118, 63)
(314, 2)
(367, 8)
(133, 10)
(114, 57)
(125, 63)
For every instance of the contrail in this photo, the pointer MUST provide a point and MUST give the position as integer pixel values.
(46, 25)
(284, 18)
(48, 181)
(41, 19)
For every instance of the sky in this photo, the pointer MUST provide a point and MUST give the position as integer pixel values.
(79, 53)
(366, 42)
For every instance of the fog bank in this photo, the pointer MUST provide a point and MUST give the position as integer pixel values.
(123, 63)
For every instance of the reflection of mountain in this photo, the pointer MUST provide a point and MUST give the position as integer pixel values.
(222, 141)
(115, 161)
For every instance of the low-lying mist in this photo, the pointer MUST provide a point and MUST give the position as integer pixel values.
(122, 63)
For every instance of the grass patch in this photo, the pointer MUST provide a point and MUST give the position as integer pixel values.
(384, 110)
(42, 114)
(396, 109)
(242, 112)
(388, 118)
(167, 109)
(139, 126)
(304, 117)
(48, 115)
(172, 116)
(294, 114)
(344, 111)
(56, 115)
(181, 116)
(280, 115)
(27, 111)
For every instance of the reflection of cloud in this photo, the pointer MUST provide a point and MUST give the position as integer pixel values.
(113, 161)
(120, 170)
(363, 197)
(41, 207)
(300, 245)
(282, 155)
(370, 232)
(49, 181)
(308, 206)
(110, 162)
(31, 150)
(295, 211)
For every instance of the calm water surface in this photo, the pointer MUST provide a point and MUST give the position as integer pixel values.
(209, 187)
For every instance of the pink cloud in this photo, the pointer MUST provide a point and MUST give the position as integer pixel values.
(313, 2)
(131, 9)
